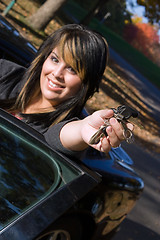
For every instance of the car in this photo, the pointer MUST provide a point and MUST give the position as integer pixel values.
(13, 46)
(45, 195)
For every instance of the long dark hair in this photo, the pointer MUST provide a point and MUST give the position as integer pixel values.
(88, 55)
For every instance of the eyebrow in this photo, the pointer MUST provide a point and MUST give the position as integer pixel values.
(55, 54)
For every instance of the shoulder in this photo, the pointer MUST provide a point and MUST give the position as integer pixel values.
(11, 79)
(8, 67)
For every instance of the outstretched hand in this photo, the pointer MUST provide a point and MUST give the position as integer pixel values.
(76, 135)
(114, 131)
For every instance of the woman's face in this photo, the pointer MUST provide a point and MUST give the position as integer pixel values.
(58, 81)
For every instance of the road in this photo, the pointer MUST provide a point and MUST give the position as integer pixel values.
(150, 94)
(143, 223)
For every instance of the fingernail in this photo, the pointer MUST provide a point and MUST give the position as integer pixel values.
(109, 129)
(113, 121)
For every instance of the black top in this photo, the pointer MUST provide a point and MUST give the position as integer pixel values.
(11, 79)
(11, 82)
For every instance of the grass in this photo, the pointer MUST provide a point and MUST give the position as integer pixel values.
(115, 88)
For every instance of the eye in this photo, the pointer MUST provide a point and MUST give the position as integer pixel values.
(54, 58)
(71, 70)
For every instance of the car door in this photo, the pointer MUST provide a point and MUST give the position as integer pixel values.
(37, 185)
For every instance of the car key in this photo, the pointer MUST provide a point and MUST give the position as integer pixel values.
(100, 133)
(122, 114)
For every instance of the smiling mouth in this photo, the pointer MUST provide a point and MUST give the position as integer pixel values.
(53, 85)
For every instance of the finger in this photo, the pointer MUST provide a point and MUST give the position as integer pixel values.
(118, 129)
(113, 138)
(104, 114)
(98, 117)
(105, 145)
(130, 126)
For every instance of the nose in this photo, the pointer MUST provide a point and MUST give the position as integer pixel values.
(58, 71)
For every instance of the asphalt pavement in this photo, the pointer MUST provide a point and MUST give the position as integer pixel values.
(143, 222)
(150, 94)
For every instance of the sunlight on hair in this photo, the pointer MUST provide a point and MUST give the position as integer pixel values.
(71, 52)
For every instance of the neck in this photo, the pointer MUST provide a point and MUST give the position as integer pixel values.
(38, 106)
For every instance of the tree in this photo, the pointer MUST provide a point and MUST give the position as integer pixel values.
(40, 19)
(119, 15)
(144, 37)
(152, 10)
(112, 13)
(93, 11)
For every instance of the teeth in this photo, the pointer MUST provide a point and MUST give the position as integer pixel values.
(52, 84)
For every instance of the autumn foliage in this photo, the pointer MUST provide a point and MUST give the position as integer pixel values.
(144, 37)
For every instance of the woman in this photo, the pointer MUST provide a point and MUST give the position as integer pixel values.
(49, 94)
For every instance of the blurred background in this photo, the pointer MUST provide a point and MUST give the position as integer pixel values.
(132, 29)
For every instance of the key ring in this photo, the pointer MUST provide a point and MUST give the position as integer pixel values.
(122, 114)
(128, 135)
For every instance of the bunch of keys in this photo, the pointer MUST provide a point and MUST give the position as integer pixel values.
(122, 114)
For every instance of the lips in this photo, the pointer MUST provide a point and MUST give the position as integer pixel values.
(53, 85)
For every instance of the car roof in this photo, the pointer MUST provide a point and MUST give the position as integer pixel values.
(14, 44)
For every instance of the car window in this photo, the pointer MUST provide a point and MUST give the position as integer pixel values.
(29, 171)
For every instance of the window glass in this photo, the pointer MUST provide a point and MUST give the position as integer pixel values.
(29, 171)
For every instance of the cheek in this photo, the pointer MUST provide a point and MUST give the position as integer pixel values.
(45, 68)
(45, 71)
(75, 85)
(42, 77)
